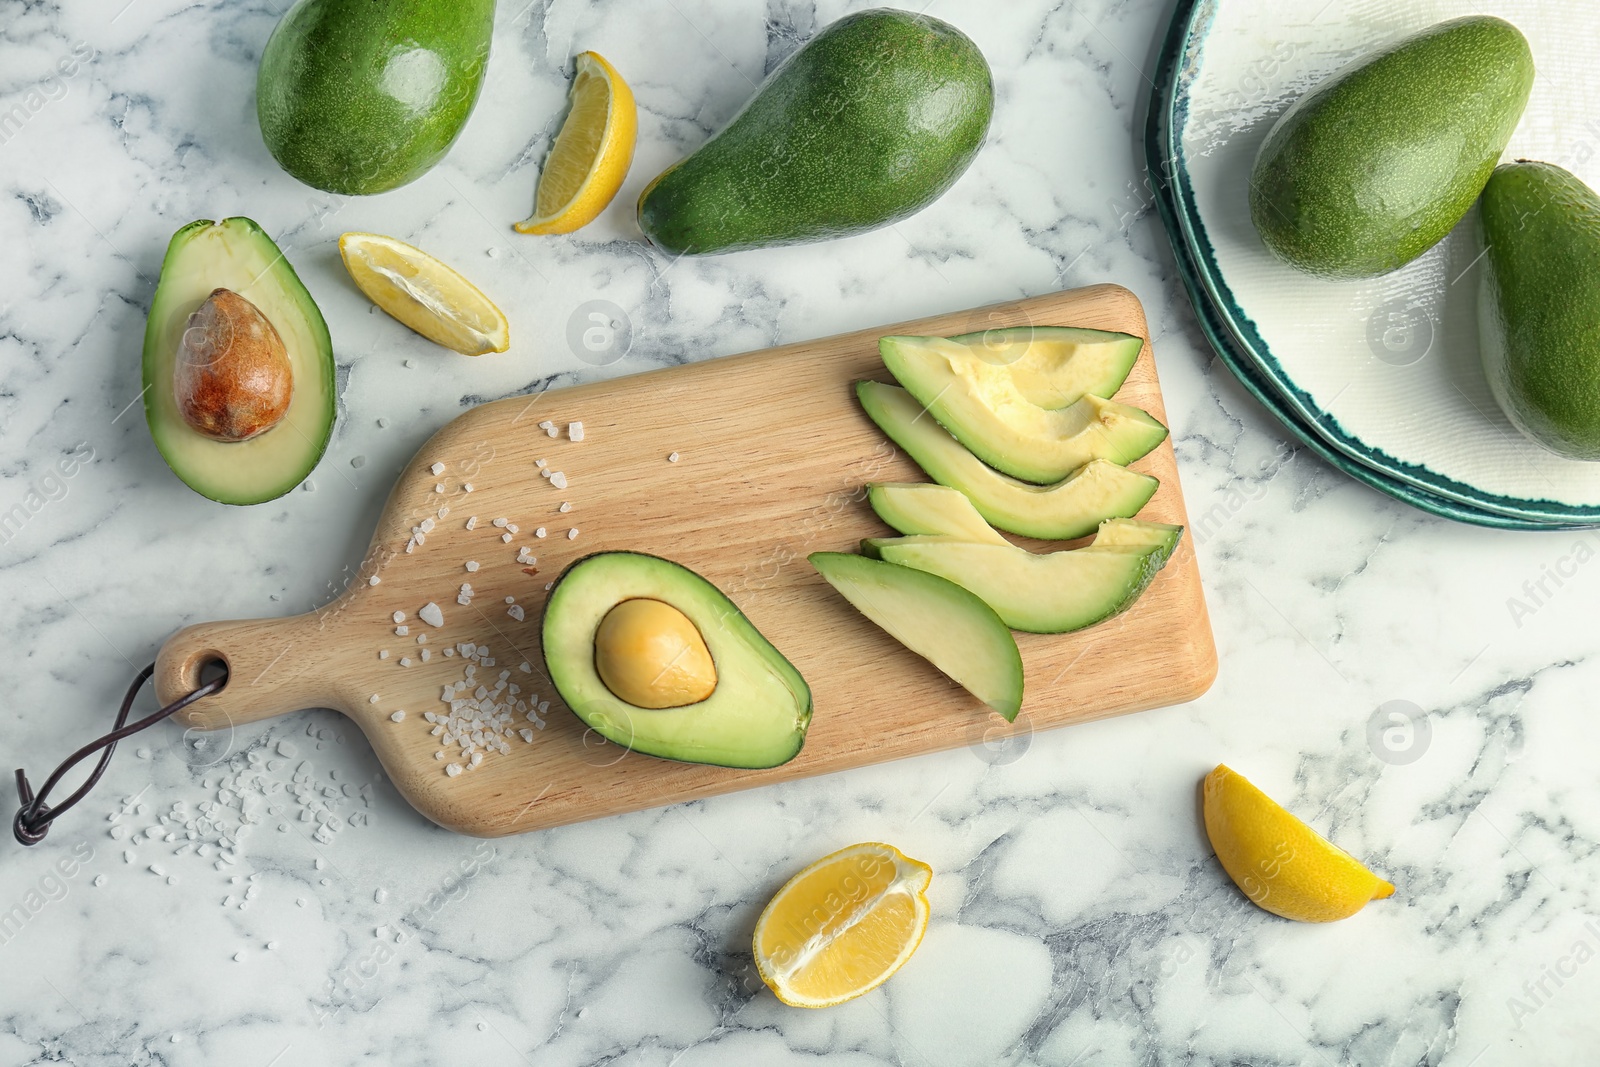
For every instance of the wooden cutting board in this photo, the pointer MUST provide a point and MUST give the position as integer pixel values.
(772, 455)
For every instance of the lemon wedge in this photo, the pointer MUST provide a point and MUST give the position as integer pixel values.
(1278, 861)
(591, 154)
(843, 925)
(424, 294)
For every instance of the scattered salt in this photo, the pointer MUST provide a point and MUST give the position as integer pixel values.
(673, 458)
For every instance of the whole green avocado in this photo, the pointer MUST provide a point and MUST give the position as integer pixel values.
(362, 96)
(868, 122)
(1375, 166)
(1539, 305)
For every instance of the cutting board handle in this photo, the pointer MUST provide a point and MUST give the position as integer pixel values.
(275, 666)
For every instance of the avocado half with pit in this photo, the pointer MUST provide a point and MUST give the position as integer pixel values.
(654, 658)
(238, 365)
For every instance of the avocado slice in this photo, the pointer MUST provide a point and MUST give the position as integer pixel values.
(1539, 305)
(1140, 533)
(1373, 167)
(1053, 366)
(866, 123)
(236, 254)
(1054, 592)
(925, 508)
(1067, 509)
(755, 717)
(938, 620)
(983, 408)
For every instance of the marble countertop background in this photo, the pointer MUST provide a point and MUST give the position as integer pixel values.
(1078, 914)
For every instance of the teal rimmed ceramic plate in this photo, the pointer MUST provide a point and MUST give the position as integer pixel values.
(1158, 159)
(1383, 371)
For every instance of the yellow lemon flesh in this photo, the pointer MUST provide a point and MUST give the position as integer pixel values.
(424, 294)
(1278, 861)
(650, 655)
(591, 154)
(843, 925)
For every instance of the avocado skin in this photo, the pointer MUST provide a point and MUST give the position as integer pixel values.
(1539, 305)
(1375, 166)
(868, 122)
(325, 90)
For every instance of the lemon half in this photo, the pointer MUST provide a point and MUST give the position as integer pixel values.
(843, 925)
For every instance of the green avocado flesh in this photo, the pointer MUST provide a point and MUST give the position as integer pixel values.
(755, 717)
(1539, 305)
(1052, 366)
(1372, 168)
(938, 620)
(236, 254)
(980, 404)
(1061, 511)
(1053, 592)
(923, 508)
(866, 123)
(358, 96)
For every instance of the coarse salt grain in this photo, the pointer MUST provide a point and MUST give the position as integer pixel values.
(558, 479)
(515, 611)
(405, 661)
(398, 716)
(506, 538)
(437, 469)
(575, 431)
(673, 458)
(373, 699)
(471, 565)
(501, 522)
(566, 506)
(383, 653)
(572, 534)
(438, 487)
(430, 614)
(374, 580)
(539, 532)
(398, 616)
(472, 523)
(452, 769)
(466, 487)
(402, 631)
(541, 463)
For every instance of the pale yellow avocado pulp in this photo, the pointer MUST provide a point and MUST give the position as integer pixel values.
(235, 254)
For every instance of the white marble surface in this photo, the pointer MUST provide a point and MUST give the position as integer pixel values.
(1079, 916)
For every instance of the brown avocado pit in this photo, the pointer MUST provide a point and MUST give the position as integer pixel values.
(232, 378)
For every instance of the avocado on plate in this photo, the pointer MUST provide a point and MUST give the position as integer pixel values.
(1373, 167)
(1539, 305)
